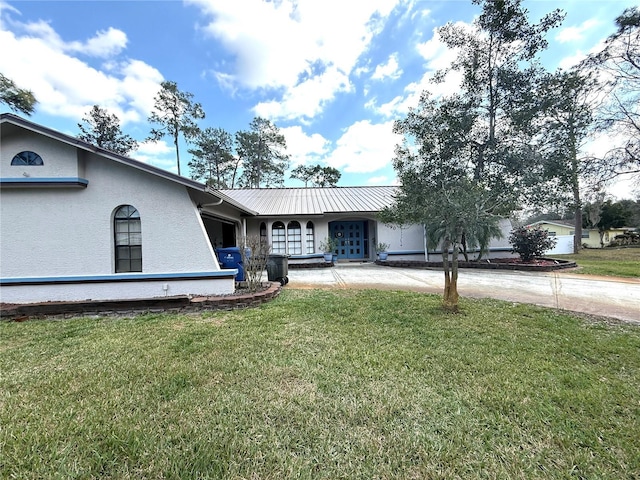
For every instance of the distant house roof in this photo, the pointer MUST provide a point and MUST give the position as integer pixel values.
(313, 201)
(9, 121)
(559, 223)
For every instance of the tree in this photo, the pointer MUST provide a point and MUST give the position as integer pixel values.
(438, 186)
(18, 99)
(566, 121)
(102, 129)
(175, 112)
(317, 175)
(612, 215)
(261, 151)
(619, 64)
(213, 161)
(467, 158)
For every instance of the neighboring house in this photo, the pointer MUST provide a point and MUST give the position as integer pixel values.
(78, 222)
(590, 236)
(296, 220)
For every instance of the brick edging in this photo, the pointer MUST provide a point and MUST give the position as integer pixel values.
(559, 265)
(177, 304)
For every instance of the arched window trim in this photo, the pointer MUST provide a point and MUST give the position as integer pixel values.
(294, 238)
(310, 237)
(27, 158)
(127, 239)
(278, 237)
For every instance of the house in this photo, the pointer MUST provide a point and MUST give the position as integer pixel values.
(295, 220)
(78, 222)
(590, 236)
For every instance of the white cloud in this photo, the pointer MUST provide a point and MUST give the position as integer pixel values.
(364, 147)
(576, 33)
(438, 57)
(306, 46)
(66, 86)
(381, 180)
(306, 99)
(304, 149)
(159, 154)
(391, 69)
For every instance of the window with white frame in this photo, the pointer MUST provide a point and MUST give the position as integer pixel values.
(294, 238)
(310, 238)
(278, 238)
(27, 158)
(127, 229)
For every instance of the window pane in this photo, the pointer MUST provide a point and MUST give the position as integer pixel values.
(128, 239)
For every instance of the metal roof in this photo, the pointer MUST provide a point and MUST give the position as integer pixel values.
(313, 201)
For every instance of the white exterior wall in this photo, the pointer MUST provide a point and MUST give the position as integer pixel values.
(61, 292)
(60, 159)
(68, 231)
(409, 239)
(563, 246)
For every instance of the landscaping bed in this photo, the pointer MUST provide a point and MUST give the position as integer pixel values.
(537, 265)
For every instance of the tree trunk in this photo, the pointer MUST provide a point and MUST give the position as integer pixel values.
(450, 296)
(175, 142)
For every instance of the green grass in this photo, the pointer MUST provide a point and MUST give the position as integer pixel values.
(323, 384)
(618, 262)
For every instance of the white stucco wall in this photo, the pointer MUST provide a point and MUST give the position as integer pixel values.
(143, 289)
(401, 239)
(60, 159)
(69, 231)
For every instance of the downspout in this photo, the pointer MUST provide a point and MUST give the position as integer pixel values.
(244, 232)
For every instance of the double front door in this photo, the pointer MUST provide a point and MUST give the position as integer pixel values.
(350, 237)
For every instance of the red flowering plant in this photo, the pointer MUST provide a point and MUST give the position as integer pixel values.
(530, 242)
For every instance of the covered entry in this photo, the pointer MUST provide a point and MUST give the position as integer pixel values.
(221, 232)
(351, 238)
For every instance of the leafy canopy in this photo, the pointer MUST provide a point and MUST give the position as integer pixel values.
(102, 129)
(18, 99)
(174, 112)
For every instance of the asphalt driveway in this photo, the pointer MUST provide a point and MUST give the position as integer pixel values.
(605, 296)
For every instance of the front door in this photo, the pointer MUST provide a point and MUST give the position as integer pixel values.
(350, 237)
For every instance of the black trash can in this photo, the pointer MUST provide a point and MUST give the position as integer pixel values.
(230, 257)
(278, 268)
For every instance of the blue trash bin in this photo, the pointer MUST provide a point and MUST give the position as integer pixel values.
(230, 257)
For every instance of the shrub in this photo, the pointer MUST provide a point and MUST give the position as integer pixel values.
(530, 242)
(254, 258)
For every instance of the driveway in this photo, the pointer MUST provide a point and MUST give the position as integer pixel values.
(606, 296)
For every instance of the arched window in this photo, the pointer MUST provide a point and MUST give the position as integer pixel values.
(128, 239)
(294, 238)
(278, 238)
(263, 233)
(27, 158)
(310, 238)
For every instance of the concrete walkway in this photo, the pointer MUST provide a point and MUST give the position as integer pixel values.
(605, 296)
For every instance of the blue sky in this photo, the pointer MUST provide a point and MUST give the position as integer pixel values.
(332, 74)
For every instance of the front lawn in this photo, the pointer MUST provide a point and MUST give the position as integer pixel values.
(617, 262)
(323, 384)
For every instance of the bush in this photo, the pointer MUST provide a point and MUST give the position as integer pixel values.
(254, 258)
(530, 242)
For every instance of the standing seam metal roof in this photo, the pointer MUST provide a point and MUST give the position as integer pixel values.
(313, 201)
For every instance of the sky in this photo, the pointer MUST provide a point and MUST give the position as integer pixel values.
(332, 75)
